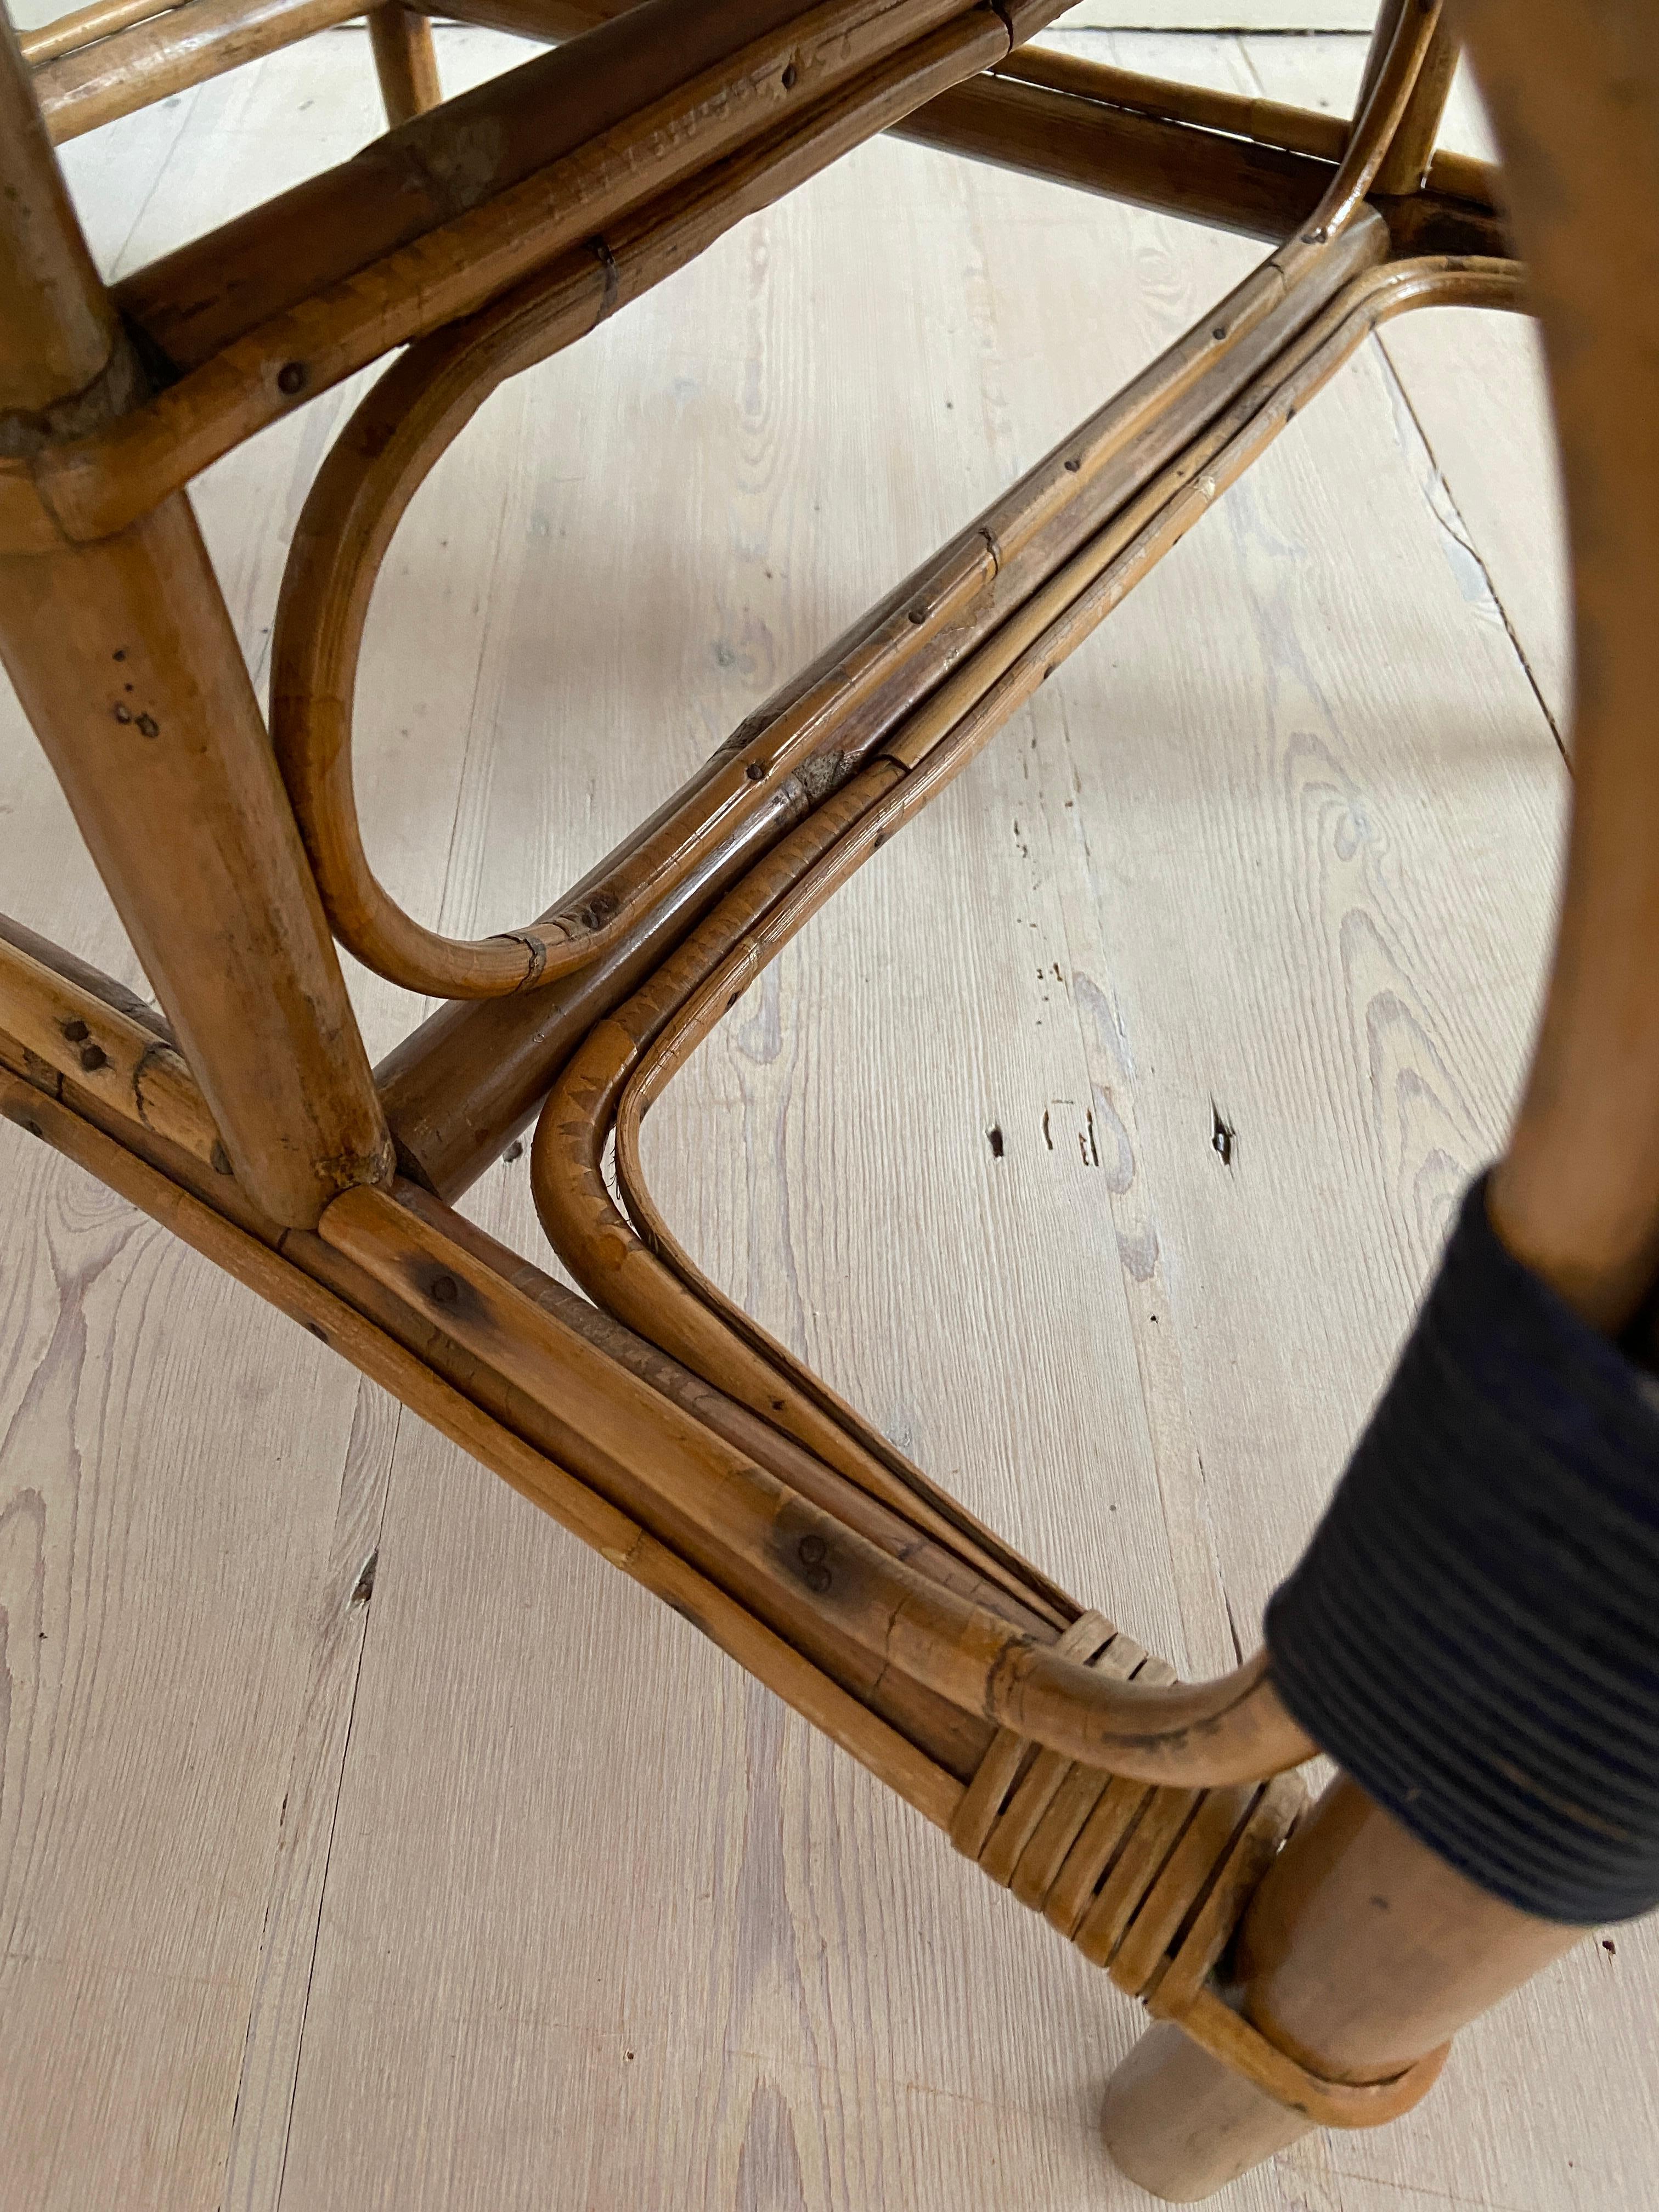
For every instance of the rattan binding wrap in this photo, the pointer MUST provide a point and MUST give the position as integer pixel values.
(1150, 1883)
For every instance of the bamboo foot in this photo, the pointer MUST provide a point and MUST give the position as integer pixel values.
(1362, 1952)
(1182, 2124)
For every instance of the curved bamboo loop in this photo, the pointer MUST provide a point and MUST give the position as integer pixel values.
(420, 407)
(351, 513)
(372, 471)
(631, 1264)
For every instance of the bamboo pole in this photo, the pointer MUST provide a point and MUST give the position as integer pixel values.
(1408, 164)
(1360, 1953)
(124, 661)
(1378, 118)
(1259, 122)
(73, 1032)
(1224, 183)
(406, 61)
(377, 1353)
(1576, 1195)
(84, 976)
(1391, 15)
(59, 330)
(1263, 122)
(85, 26)
(161, 54)
(457, 207)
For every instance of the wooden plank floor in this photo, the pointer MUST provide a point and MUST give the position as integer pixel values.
(470, 1879)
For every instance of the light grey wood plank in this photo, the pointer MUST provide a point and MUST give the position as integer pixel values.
(1474, 384)
(169, 1467)
(321, 1732)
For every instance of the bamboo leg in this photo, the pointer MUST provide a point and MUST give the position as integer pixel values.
(125, 661)
(1362, 1951)
(1574, 96)
(58, 328)
(406, 61)
(1183, 2125)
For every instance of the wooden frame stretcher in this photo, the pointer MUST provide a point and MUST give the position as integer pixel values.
(1158, 1825)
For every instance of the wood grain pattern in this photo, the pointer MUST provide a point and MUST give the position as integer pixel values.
(161, 1528)
(602, 1925)
(1471, 388)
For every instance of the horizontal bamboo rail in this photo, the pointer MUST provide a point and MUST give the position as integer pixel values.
(1238, 115)
(160, 53)
(84, 976)
(83, 26)
(455, 208)
(1307, 131)
(1223, 182)
(72, 1032)
(601, 125)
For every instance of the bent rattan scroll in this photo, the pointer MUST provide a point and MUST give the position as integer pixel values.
(1138, 1815)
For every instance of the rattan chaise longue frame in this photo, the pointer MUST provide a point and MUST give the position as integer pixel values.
(1146, 1818)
